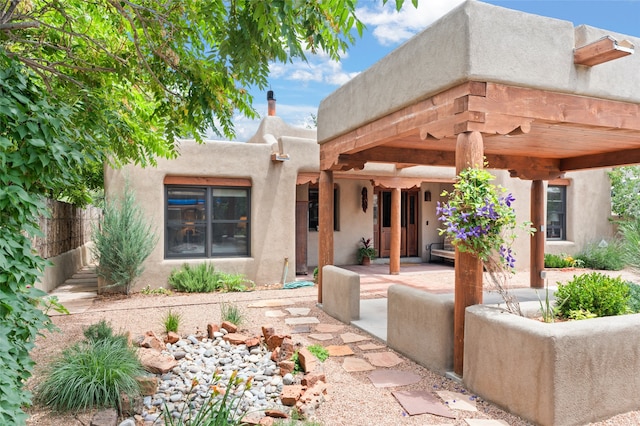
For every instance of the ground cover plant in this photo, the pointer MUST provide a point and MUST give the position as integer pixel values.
(92, 373)
(561, 261)
(232, 313)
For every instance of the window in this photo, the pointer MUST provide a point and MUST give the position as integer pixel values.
(207, 221)
(556, 212)
(313, 209)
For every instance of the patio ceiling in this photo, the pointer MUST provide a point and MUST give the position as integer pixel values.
(535, 134)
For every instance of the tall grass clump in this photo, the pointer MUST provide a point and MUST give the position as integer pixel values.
(171, 321)
(123, 239)
(630, 231)
(91, 373)
(605, 255)
(201, 278)
(232, 313)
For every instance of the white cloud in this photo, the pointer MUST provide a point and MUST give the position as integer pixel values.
(390, 27)
(319, 69)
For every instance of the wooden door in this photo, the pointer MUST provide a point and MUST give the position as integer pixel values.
(302, 224)
(408, 223)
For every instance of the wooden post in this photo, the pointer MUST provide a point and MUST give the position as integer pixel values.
(538, 238)
(325, 224)
(468, 267)
(394, 255)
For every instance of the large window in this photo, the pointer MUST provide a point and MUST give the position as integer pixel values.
(207, 221)
(556, 212)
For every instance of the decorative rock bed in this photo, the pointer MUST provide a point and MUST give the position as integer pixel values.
(188, 369)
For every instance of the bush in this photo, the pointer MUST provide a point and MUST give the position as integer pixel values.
(560, 261)
(102, 331)
(630, 231)
(594, 293)
(91, 374)
(202, 278)
(123, 240)
(607, 256)
(634, 297)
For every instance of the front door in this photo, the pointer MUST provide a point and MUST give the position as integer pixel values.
(408, 222)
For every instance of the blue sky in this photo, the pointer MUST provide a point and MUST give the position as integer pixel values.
(299, 87)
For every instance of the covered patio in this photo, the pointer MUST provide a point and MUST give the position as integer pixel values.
(531, 95)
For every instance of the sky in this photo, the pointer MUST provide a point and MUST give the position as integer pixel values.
(299, 87)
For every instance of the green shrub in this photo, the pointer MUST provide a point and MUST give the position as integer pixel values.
(234, 282)
(91, 374)
(319, 352)
(201, 278)
(595, 293)
(123, 239)
(560, 261)
(607, 256)
(102, 331)
(171, 321)
(634, 297)
(630, 231)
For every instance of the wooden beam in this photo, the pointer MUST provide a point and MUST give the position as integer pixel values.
(536, 244)
(604, 50)
(608, 159)
(325, 225)
(468, 267)
(400, 155)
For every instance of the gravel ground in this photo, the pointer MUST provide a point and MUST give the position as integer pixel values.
(351, 399)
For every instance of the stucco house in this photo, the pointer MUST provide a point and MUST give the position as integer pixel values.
(252, 207)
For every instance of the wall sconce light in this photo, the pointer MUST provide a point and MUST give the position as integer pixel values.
(427, 195)
(365, 199)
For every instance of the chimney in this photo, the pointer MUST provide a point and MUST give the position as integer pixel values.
(271, 102)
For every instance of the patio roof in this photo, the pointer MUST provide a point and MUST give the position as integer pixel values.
(509, 75)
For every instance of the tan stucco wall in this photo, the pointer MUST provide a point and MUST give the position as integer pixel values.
(478, 41)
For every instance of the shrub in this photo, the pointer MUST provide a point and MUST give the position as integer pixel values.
(171, 321)
(634, 297)
(231, 313)
(234, 282)
(607, 256)
(91, 374)
(202, 278)
(102, 331)
(560, 261)
(123, 239)
(594, 293)
(630, 231)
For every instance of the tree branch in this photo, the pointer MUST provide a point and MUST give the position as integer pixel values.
(19, 26)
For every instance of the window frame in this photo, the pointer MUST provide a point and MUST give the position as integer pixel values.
(208, 185)
(561, 228)
(316, 198)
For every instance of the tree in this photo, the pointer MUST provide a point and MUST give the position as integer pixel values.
(83, 81)
(625, 191)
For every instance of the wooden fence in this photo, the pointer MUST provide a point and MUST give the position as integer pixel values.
(66, 228)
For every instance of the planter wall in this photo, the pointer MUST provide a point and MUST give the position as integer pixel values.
(567, 373)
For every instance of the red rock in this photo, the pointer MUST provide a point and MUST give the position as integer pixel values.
(236, 338)
(172, 337)
(286, 366)
(150, 340)
(267, 331)
(212, 328)
(229, 326)
(291, 394)
(287, 348)
(307, 360)
(275, 341)
(275, 354)
(148, 384)
(252, 341)
(156, 362)
(312, 378)
(277, 414)
(267, 421)
(106, 417)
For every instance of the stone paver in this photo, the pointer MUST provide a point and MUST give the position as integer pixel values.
(301, 320)
(371, 347)
(321, 336)
(383, 359)
(458, 401)
(329, 328)
(353, 338)
(422, 402)
(342, 350)
(270, 303)
(485, 422)
(303, 328)
(392, 378)
(352, 364)
(300, 312)
(275, 314)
